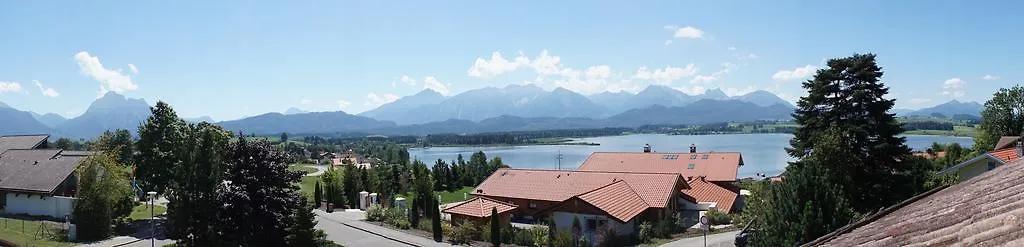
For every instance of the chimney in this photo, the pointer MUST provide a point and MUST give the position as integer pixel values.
(647, 148)
(1020, 149)
(693, 148)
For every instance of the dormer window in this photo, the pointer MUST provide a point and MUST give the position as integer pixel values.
(690, 166)
(705, 156)
(693, 157)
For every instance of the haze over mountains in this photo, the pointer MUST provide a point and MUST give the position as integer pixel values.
(491, 109)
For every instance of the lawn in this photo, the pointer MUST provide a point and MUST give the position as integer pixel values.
(11, 231)
(957, 131)
(454, 196)
(302, 168)
(306, 186)
(141, 211)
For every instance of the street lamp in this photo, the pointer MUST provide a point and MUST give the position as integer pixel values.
(152, 218)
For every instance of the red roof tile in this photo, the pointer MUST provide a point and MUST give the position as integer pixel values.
(655, 189)
(479, 207)
(617, 199)
(713, 166)
(704, 191)
(982, 211)
(1007, 155)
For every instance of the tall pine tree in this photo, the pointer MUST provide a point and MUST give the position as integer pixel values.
(849, 96)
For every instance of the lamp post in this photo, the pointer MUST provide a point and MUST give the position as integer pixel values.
(152, 218)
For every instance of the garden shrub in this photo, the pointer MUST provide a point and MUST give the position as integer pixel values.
(646, 232)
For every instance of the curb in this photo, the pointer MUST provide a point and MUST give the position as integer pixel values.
(132, 242)
(371, 232)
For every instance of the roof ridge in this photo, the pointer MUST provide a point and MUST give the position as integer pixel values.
(588, 171)
(20, 135)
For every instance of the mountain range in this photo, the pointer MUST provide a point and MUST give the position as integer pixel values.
(511, 108)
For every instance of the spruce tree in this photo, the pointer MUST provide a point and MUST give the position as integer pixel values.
(495, 228)
(849, 96)
(303, 232)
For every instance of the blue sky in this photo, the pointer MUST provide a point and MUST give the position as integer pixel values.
(230, 59)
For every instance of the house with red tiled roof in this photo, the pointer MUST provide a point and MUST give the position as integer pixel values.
(1007, 153)
(711, 174)
(617, 199)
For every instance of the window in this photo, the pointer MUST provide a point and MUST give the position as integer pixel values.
(591, 224)
(693, 157)
(690, 166)
(533, 205)
(991, 165)
(705, 157)
(670, 156)
(601, 223)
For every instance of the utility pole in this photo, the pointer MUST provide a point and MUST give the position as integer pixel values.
(559, 158)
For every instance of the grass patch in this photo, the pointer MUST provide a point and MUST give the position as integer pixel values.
(302, 168)
(141, 211)
(27, 232)
(307, 184)
(454, 196)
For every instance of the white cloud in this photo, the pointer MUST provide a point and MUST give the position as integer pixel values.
(134, 69)
(953, 87)
(795, 74)
(343, 104)
(305, 101)
(374, 100)
(10, 87)
(109, 79)
(408, 80)
(436, 85)
(990, 77)
(709, 78)
(497, 65)
(749, 56)
(687, 32)
(598, 72)
(665, 75)
(48, 92)
(731, 91)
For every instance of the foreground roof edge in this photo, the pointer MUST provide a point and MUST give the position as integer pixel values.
(873, 217)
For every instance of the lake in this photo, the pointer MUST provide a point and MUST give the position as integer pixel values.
(762, 153)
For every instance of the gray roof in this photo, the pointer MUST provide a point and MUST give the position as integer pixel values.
(35, 171)
(1006, 141)
(21, 141)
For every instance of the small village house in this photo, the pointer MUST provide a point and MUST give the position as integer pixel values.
(35, 180)
(621, 200)
(1007, 150)
(477, 211)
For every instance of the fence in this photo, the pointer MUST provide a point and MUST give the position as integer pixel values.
(19, 231)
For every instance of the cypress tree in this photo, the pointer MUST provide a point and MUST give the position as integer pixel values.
(495, 228)
(414, 214)
(435, 220)
(318, 194)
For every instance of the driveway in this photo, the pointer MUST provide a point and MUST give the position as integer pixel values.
(724, 239)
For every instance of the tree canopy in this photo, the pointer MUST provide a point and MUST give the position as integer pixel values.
(1003, 116)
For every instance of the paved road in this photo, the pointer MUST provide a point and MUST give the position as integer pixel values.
(715, 240)
(347, 228)
(319, 170)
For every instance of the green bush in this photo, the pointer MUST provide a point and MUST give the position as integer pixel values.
(646, 232)
(607, 237)
(664, 228)
(425, 225)
(563, 239)
(464, 234)
(375, 213)
(400, 223)
(539, 236)
(716, 217)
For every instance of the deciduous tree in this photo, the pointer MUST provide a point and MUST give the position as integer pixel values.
(102, 188)
(1003, 116)
(161, 138)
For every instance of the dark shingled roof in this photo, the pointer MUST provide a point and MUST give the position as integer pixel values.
(1006, 141)
(21, 141)
(35, 171)
(987, 210)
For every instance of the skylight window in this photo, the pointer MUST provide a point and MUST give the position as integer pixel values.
(690, 166)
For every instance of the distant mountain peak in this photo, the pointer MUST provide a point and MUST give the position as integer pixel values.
(293, 110)
(715, 93)
(113, 101)
(428, 91)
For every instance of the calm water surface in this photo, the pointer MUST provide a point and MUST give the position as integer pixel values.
(762, 153)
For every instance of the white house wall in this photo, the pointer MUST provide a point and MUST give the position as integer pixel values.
(563, 221)
(52, 206)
